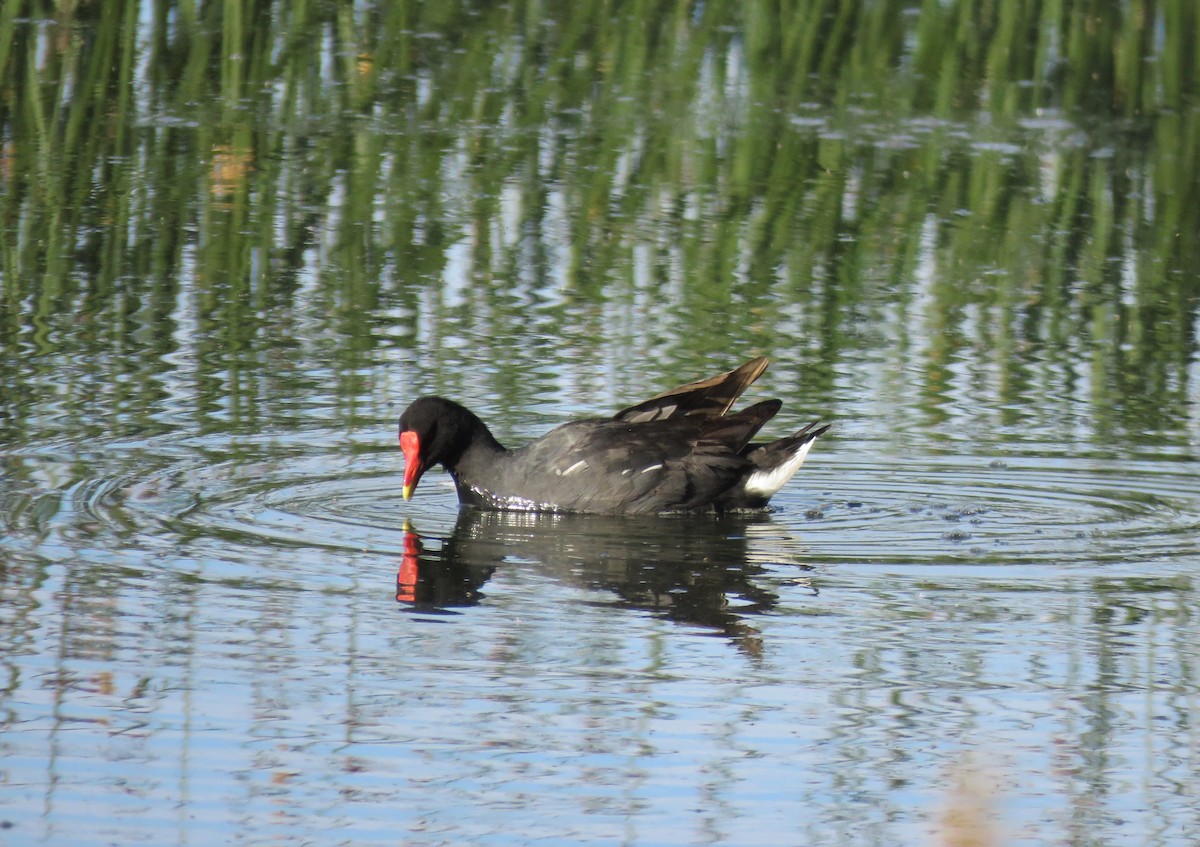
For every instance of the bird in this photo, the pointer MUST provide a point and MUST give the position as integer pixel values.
(680, 451)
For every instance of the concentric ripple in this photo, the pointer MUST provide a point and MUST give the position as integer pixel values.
(1020, 511)
(226, 499)
(205, 505)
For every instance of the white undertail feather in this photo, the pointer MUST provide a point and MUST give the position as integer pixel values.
(767, 482)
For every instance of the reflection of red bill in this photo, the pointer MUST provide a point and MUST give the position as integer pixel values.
(410, 568)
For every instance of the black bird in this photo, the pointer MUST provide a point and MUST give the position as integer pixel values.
(678, 451)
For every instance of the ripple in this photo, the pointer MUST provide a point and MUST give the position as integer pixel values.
(204, 503)
(1056, 510)
(1036, 511)
(327, 490)
(334, 512)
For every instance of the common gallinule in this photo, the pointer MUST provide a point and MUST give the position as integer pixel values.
(677, 451)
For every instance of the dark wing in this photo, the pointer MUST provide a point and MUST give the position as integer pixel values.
(654, 466)
(710, 397)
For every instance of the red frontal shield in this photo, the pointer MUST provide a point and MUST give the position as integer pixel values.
(411, 445)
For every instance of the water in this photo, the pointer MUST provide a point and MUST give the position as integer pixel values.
(973, 614)
(203, 638)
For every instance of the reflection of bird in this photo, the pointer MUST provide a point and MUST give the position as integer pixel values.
(678, 451)
(433, 581)
(687, 570)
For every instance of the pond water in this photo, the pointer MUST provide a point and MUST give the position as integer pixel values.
(239, 238)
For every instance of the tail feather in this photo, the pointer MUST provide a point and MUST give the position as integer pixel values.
(775, 464)
(767, 456)
(733, 432)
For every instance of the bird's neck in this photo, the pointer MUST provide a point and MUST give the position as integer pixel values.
(479, 457)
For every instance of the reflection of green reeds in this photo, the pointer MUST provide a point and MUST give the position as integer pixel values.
(765, 160)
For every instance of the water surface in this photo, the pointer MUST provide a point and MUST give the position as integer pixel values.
(238, 238)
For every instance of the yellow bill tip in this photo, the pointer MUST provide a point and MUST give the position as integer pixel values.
(407, 492)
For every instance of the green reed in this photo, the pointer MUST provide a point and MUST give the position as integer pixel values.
(765, 156)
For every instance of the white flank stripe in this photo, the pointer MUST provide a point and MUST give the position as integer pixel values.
(581, 465)
(767, 483)
(651, 468)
